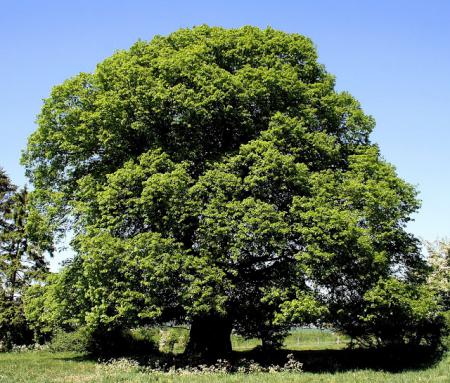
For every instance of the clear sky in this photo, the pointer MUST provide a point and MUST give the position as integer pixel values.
(392, 55)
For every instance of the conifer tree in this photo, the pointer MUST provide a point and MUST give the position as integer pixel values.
(21, 262)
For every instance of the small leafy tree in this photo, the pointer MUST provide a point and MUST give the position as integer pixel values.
(216, 177)
(439, 260)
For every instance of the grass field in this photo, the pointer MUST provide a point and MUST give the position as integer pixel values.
(43, 366)
(302, 339)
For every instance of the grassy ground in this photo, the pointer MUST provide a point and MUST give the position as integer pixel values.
(42, 366)
(301, 339)
(173, 339)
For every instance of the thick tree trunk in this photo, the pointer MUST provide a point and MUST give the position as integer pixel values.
(209, 337)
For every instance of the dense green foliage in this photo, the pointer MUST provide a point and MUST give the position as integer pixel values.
(23, 241)
(216, 177)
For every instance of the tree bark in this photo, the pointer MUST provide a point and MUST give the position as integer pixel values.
(209, 337)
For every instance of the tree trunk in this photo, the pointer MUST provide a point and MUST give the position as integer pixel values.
(209, 337)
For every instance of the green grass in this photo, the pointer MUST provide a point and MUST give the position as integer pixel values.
(42, 366)
(298, 339)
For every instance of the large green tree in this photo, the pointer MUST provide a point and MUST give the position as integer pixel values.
(216, 177)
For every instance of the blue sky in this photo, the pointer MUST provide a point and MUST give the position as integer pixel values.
(393, 56)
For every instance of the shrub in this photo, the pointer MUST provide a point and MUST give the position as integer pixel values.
(400, 313)
(13, 325)
(76, 341)
(118, 342)
(103, 343)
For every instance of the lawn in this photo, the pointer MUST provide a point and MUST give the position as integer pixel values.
(312, 346)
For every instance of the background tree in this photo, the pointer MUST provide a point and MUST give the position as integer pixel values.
(216, 177)
(6, 188)
(439, 260)
(21, 260)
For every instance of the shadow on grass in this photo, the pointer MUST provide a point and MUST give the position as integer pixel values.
(393, 359)
(77, 358)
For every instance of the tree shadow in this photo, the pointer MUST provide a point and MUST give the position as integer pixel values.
(392, 359)
(77, 358)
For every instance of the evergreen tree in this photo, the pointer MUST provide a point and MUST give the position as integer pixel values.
(21, 262)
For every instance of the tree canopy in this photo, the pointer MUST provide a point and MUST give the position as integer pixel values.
(215, 176)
